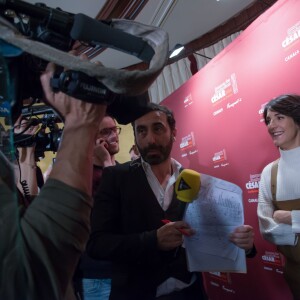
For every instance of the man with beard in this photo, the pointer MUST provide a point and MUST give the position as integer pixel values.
(93, 277)
(148, 260)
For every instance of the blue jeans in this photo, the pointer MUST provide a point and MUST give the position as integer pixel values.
(96, 289)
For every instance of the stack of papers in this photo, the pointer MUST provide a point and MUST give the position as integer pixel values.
(214, 214)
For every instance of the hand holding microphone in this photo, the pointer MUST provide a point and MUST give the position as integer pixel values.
(187, 187)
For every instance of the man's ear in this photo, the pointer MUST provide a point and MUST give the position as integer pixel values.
(174, 133)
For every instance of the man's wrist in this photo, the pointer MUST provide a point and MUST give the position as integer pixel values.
(251, 252)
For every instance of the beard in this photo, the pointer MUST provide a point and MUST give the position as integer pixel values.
(162, 154)
(112, 150)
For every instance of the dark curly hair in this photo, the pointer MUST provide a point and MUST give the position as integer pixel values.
(156, 107)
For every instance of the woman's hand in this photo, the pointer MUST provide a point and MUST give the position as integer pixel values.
(283, 216)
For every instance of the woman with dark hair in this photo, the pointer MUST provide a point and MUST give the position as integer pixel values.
(279, 192)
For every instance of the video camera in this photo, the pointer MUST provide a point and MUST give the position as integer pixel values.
(60, 30)
(46, 138)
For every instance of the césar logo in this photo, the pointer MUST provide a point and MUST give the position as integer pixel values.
(253, 184)
(272, 258)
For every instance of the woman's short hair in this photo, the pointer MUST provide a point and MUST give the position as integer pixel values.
(287, 104)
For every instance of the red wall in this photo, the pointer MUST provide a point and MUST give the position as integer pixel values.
(221, 132)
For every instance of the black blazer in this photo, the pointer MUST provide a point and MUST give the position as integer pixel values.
(125, 218)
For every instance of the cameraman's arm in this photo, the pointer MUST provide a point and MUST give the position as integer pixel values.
(57, 222)
(73, 164)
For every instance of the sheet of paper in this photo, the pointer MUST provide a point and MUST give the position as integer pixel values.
(216, 212)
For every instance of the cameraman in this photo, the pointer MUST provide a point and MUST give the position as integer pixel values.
(40, 246)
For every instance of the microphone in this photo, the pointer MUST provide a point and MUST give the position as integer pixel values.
(188, 185)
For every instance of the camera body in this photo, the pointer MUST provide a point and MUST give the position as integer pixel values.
(81, 86)
(51, 26)
(59, 29)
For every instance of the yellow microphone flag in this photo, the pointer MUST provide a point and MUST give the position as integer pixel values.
(187, 185)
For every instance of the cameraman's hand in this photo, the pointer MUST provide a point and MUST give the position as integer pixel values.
(73, 111)
(73, 164)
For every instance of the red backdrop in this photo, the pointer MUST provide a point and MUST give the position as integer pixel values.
(221, 131)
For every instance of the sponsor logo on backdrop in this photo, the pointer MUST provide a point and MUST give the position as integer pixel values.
(234, 103)
(188, 145)
(261, 112)
(253, 184)
(219, 156)
(187, 101)
(220, 159)
(253, 200)
(221, 277)
(226, 89)
(221, 280)
(272, 261)
(292, 55)
(292, 38)
(224, 288)
(217, 112)
(187, 141)
(214, 284)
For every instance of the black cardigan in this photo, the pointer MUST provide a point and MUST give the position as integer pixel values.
(125, 219)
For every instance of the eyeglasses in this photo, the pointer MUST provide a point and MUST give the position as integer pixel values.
(105, 132)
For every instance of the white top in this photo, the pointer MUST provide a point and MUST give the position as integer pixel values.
(163, 195)
(288, 188)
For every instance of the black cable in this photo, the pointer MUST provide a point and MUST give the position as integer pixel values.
(25, 188)
(24, 185)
